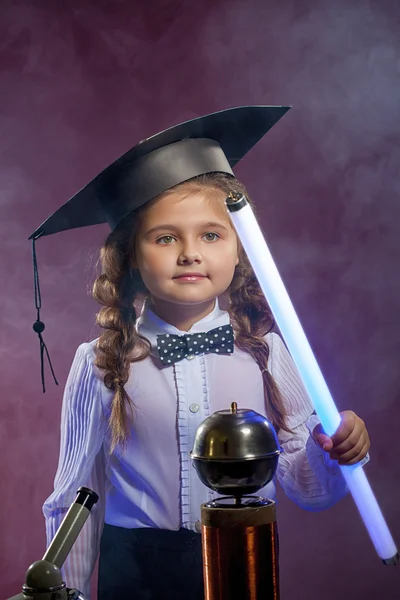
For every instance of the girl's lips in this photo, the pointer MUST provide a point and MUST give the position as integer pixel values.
(190, 277)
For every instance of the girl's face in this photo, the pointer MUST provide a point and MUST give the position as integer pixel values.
(186, 249)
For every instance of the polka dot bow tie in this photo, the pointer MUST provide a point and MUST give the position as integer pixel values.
(173, 348)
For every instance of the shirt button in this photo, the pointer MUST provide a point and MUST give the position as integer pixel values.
(190, 356)
(197, 526)
(194, 408)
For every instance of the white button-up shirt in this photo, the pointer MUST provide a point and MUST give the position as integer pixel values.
(152, 482)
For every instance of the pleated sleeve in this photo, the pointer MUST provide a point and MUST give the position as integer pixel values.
(81, 462)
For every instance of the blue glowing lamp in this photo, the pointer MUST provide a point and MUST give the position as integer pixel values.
(278, 299)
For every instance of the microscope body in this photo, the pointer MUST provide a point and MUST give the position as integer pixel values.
(43, 579)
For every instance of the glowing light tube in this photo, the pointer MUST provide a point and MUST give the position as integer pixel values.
(278, 299)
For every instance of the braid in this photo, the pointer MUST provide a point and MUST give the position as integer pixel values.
(119, 345)
(252, 320)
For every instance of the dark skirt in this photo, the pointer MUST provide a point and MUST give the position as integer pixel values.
(150, 564)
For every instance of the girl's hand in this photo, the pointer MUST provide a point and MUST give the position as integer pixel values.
(350, 442)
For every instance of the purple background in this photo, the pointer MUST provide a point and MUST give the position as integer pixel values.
(81, 82)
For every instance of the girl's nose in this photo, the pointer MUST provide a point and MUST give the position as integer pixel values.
(188, 256)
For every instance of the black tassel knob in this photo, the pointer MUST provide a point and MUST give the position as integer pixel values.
(38, 327)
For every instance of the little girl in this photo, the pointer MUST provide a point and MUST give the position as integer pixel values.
(136, 396)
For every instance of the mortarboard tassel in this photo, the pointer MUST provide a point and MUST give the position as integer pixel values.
(38, 325)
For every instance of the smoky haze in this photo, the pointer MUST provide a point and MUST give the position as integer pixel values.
(81, 82)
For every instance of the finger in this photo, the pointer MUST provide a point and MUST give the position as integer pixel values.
(357, 458)
(356, 437)
(351, 453)
(326, 445)
(324, 441)
(321, 438)
(346, 427)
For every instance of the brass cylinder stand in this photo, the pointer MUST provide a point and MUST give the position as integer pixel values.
(240, 549)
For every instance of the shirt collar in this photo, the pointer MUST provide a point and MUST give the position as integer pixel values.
(150, 325)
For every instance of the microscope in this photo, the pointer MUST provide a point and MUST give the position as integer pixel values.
(43, 579)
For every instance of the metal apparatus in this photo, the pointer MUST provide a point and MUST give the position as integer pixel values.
(236, 453)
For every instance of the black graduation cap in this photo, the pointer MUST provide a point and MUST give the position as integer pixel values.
(213, 143)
